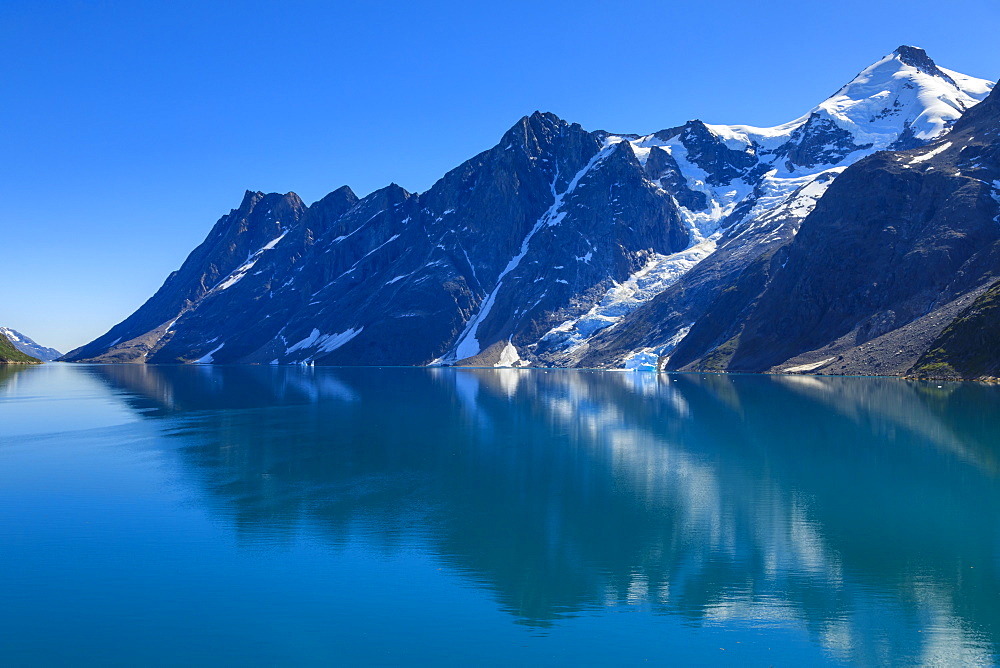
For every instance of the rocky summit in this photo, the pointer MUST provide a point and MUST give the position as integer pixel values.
(844, 241)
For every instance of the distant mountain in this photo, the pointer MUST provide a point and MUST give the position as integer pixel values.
(11, 355)
(29, 347)
(557, 247)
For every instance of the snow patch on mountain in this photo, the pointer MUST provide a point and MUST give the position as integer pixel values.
(930, 154)
(325, 343)
(242, 270)
(354, 266)
(14, 336)
(801, 202)
(208, 358)
(554, 215)
(659, 273)
(722, 200)
(788, 199)
(468, 343)
(28, 346)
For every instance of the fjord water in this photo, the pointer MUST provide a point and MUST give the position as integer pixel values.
(260, 516)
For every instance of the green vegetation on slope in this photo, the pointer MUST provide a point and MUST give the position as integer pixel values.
(11, 355)
(970, 346)
(719, 359)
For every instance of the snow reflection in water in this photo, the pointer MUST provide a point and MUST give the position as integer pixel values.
(859, 512)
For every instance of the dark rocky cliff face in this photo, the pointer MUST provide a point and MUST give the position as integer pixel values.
(395, 278)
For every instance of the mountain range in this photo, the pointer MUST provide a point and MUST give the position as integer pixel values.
(855, 239)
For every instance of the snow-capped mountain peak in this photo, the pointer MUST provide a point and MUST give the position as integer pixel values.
(901, 101)
(905, 85)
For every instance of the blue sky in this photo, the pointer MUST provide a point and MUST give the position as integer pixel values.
(128, 129)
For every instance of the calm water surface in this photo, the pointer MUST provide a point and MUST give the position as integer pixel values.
(278, 516)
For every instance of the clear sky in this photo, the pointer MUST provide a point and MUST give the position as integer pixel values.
(128, 128)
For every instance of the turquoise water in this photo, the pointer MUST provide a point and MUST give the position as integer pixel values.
(277, 516)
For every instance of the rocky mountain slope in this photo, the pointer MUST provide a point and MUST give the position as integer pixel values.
(11, 355)
(899, 247)
(970, 346)
(29, 347)
(557, 247)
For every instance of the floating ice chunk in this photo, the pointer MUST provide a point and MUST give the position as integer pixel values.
(643, 361)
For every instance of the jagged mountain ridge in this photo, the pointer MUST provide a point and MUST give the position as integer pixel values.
(552, 248)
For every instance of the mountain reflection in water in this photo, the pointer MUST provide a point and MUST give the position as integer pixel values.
(863, 510)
